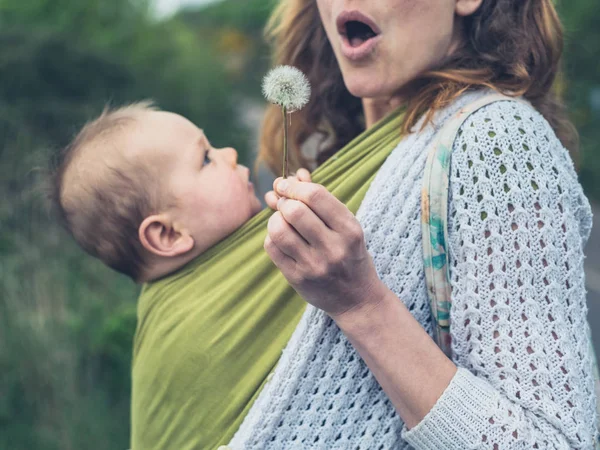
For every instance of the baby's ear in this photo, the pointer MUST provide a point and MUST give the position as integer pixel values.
(158, 235)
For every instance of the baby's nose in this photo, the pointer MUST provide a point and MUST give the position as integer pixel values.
(230, 155)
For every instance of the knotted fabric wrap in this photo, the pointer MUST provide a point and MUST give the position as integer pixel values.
(209, 335)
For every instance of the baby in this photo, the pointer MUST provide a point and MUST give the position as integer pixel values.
(145, 192)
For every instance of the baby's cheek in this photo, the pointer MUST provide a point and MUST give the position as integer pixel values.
(243, 206)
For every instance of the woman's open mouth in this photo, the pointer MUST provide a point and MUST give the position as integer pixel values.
(359, 34)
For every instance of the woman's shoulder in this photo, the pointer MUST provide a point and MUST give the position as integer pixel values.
(511, 130)
(502, 119)
(511, 146)
(511, 116)
(505, 117)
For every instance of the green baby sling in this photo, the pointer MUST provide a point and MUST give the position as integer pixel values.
(209, 335)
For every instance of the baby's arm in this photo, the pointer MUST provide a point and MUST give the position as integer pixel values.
(271, 197)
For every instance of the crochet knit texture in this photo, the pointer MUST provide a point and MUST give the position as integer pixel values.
(518, 221)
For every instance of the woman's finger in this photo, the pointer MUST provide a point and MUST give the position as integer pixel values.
(271, 199)
(328, 208)
(286, 238)
(304, 221)
(303, 175)
(280, 259)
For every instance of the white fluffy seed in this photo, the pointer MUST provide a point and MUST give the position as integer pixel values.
(286, 86)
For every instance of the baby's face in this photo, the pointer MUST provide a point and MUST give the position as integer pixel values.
(210, 194)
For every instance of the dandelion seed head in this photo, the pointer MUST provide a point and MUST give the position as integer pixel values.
(286, 86)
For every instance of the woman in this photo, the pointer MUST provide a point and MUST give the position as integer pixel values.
(521, 371)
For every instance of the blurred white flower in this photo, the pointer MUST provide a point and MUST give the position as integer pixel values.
(288, 87)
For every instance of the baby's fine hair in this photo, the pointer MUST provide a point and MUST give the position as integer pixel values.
(103, 208)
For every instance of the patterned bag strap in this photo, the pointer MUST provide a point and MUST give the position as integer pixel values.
(434, 218)
(434, 225)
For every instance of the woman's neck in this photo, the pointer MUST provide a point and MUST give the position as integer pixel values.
(376, 109)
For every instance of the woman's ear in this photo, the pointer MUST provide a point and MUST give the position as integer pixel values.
(467, 7)
(158, 235)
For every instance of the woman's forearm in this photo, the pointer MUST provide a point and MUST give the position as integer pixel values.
(319, 247)
(406, 362)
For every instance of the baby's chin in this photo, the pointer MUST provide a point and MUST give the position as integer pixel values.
(256, 206)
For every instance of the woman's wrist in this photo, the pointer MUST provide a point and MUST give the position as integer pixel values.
(364, 316)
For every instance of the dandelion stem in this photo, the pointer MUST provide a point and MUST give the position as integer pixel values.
(285, 142)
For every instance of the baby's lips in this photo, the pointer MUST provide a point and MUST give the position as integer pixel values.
(245, 172)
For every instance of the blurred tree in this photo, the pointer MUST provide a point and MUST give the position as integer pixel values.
(237, 28)
(105, 23)
(582, 72)
(248, 16)
(66, 321)
(49, 84)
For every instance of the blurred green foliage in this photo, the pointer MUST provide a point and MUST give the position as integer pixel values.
(581, 20)
(248, 16)
(66, 321)
(236, 29)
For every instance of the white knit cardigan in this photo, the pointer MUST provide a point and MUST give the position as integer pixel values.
(518, 222)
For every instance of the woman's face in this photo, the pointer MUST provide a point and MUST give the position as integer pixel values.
(380, 45)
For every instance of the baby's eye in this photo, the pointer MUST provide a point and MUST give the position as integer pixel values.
(207, 159)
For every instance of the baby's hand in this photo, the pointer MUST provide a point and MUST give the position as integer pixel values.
(271, 197)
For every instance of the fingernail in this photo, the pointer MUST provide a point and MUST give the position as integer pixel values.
(282, 186)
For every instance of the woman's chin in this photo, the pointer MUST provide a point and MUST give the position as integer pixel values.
(364, 86)
(364, 83)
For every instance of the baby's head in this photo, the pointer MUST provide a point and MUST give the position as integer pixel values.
(144, 191)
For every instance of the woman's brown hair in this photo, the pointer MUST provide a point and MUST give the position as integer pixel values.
(512, 46)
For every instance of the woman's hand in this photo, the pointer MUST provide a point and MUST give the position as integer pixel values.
(271, 197)
(319, 246)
